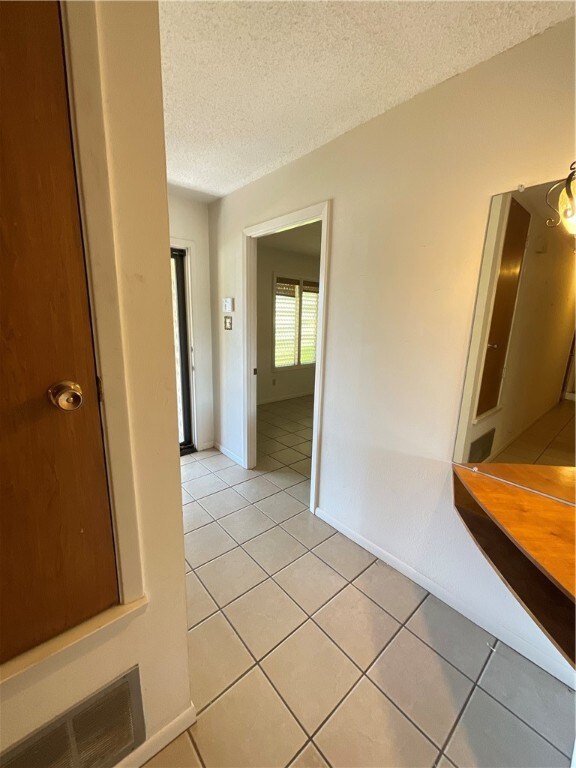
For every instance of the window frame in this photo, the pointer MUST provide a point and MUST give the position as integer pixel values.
(301, 280)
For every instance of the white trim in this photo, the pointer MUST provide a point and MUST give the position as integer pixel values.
(285, 397)
(319, 212)
(159, 740)
(190, 264)
(559, 670)
(230, 454)
(90, 149)
(481, 318)
(569, 396)
(60, 644)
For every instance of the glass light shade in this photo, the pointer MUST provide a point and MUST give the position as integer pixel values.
(567, 212)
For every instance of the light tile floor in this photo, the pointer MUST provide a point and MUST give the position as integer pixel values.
(307, 651)
(550, 440)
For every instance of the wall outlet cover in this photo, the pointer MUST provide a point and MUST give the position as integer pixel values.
(227, 323)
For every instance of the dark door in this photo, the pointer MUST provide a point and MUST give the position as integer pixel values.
(57, 562)
(182, 349)
(504, 304)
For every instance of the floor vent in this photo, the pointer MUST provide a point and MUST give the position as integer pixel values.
(481, 448)
(96, 733)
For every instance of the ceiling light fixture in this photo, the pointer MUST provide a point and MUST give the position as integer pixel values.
(566, 208)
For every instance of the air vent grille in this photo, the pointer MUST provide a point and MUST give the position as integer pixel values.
(96, 733)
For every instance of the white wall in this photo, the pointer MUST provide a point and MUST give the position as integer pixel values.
(128, 60)
(411, 193)
(189, 227)
(540, 338)
(295, 382)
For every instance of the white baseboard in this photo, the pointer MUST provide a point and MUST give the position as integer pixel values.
(569, 396)
(230, 454)
(205, 445)
(159, 740)
(559, 670)
(284, 397)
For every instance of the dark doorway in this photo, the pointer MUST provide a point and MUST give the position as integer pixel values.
(182, 349)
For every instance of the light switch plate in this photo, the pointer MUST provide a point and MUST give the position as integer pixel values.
(228, 305)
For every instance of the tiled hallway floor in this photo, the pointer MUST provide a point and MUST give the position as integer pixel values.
(550, 440)
(305, 650)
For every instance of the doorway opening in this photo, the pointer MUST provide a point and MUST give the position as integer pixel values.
(182, 347)
(286, 267)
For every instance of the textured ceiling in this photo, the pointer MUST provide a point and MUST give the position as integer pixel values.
(250, 86)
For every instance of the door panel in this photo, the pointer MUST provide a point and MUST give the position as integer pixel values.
(57, 564)
(504, 304)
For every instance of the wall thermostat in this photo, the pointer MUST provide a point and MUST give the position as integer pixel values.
(228, 323)
(227, 305)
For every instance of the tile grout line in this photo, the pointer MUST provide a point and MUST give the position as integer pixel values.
(466, 702)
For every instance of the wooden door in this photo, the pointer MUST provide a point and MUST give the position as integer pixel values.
(57, 562)
(504, 304)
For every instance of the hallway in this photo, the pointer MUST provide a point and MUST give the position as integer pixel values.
(550, 440)
(305, 650)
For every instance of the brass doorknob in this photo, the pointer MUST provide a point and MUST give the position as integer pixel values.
(66, 395)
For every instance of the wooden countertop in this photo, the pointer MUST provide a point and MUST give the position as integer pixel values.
(523, 519)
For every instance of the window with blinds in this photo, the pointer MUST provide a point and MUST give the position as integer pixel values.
(295, 322)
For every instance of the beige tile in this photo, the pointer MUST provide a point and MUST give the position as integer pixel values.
(264, 616)
(192, 471)
(214, 463)
(367, 731)
(216, 658)
(357, 625)
(206, 543)
(187, 459)
(246, 524)
(229, 576)
(305, 448)
(206, 454)
(248, 727)
(390, 589)
(199, 604)
(305, 434)
(308, 529)
(536, 697)
(510, 743)
(269, 430)
(452, 635)
(309, 758)
(304, 467)
(194, 516)
(301, 492)
(344, 556)
(186, 498)
(223, 503)
(280, 506)
(178, 754)
(266, 464)
(285, 477)
(428, 689)
(267, 446)
(289, 440)
(288, 456)
(236, 475)
(204, 486)
(311, 674)
(310, 582)
(257, 489)
(274, 549)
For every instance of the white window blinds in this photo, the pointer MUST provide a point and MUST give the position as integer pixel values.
(295, 322)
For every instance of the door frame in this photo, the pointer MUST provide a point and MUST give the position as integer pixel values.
(319, 212)
(189, 247)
